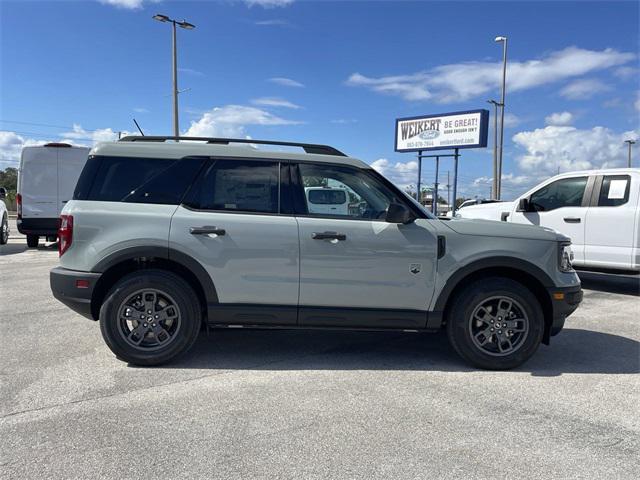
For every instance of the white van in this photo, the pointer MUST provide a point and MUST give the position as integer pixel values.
(598, 209)
(327, 200)
(46, 180)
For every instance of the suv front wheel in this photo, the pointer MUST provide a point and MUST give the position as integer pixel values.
(495, 323)
(150, 317)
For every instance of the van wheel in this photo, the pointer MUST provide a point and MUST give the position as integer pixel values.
(32, 241)
(495, 323)
(150, 317)
(4, 230)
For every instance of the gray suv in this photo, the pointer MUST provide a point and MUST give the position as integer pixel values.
(163, 236)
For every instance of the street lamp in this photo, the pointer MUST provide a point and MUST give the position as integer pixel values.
(187, 26)
(629, 142)
(504, 87)
(494, 187)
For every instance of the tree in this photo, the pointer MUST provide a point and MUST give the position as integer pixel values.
(9, 179)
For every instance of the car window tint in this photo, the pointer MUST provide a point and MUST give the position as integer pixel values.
(240, 186)
(567, 192)
(614, 190)
(337, 191)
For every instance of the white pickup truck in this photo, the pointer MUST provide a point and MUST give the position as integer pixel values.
(598, 209)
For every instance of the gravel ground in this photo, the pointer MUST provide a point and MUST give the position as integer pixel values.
(283, 404)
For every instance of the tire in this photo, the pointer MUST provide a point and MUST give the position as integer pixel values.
(123, 323)
(479, 308)
(32, 241)
(4, 230)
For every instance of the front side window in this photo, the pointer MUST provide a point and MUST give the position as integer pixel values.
(567, 192)
(344, 192)
(239, 186)
(614, 190)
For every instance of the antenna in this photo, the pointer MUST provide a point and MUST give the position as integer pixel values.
(138, 126)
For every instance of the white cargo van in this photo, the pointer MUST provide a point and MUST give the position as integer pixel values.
(327, 200)
(46, 180)
(598, 209)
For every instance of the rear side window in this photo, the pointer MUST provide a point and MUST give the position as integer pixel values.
(239, 186)
(614, 190)
(136, 180)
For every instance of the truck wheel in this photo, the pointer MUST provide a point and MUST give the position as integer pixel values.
(4, 231)
(32, 241)
(150, 317)
(495, 323)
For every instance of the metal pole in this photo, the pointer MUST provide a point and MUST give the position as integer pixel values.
(448, 190)
(495, 146)
(435, 190)
(629, 142)
(455, 181)
(176, 128)
(504, 88)
(419, 175)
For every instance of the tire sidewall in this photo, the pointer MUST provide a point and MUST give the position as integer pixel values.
(466, 303)
(172, 285)
(4, 231)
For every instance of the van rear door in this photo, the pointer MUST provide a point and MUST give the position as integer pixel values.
(38, 182)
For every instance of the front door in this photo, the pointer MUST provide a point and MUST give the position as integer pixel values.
(357, 270)
(233, 225)
(560, 205)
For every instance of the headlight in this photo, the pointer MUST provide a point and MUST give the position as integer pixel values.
(565, 257)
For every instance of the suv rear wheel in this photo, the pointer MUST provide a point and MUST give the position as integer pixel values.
(4, 230)
(495, 323)
(150, 317)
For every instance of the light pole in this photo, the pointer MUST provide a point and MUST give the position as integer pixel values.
(504, 87)
(629, 142)
(188, 26)
(494, 188)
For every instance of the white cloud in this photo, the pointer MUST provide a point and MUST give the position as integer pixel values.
(559, 119)
(274, 102)
(568, 148)
(191, 71)
(232, 120)
(344, 121)
(583, 89)
(79, 134)
(276, 22)
(285, 82)
(402, 174)
(626, 72)
(637, 102)
(128, 4)
(511, 120)
(140, 110)
(268, 3)
(462, 81)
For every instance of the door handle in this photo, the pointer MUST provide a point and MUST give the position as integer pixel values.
(572, 219)
(328, 236)
(207, 231)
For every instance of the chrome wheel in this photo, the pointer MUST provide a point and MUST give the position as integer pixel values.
(499, 326)
(149, 319)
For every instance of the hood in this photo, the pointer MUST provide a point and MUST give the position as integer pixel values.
(491, 228)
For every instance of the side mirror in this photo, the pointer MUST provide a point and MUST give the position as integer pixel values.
(524, 205)
(397, 213)
(3, 192)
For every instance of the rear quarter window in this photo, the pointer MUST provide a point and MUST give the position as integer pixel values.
(136, 180)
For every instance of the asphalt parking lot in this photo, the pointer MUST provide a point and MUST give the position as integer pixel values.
(276, 404)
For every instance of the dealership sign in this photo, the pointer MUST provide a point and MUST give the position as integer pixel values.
(443, 131)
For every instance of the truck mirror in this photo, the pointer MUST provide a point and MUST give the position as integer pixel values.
(524, 205)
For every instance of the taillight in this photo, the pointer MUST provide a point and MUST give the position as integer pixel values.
(65, 233)
(19, 205)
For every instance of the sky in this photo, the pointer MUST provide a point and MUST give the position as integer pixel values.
(337, 73)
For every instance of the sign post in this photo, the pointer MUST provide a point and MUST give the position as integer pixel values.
(446, 131)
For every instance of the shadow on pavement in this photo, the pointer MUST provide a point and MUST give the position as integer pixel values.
(611, 283)
(572, 351)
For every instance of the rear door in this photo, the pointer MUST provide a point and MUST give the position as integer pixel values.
(357, 270)
(70, 162)
(235, 224)
(610, 221)
(39, 182)
(561, 205)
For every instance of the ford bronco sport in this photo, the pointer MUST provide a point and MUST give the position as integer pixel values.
(163, 236)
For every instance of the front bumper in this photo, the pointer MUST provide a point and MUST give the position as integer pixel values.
(564, 301)
(64, 286)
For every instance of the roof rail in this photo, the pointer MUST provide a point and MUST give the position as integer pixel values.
(308, 147)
